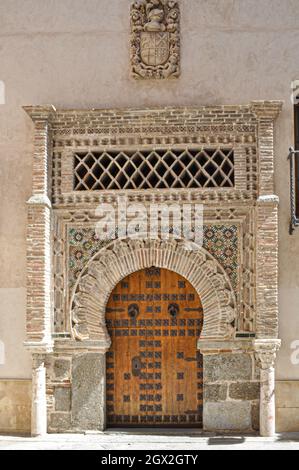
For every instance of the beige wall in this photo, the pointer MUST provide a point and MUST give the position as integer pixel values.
(15, 406)
(75, 54)
(287, 406)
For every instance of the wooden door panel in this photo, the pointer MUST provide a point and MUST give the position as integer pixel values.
(154, 372)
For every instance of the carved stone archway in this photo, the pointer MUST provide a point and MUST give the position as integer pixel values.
(123, 257)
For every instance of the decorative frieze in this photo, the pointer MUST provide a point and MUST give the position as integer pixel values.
(209, 196)
(221, 241)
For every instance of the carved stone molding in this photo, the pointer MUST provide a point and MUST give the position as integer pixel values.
(123, 257)
(155, 39)
(265, 352)
(82, 199)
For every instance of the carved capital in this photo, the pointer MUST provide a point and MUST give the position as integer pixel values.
(265, 352)
(38, 361)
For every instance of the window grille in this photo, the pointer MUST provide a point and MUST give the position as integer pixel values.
(154, 169)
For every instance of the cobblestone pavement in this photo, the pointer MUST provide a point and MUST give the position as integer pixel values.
(151, 440)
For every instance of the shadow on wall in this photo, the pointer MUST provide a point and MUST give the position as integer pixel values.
(225, 440)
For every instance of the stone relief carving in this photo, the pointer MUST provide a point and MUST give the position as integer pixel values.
(155, 39)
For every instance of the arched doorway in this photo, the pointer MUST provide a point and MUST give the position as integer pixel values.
(154, 372)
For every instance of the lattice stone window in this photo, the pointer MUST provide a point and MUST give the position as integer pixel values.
(149, 169)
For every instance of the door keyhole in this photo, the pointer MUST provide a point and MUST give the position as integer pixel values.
(136, 366)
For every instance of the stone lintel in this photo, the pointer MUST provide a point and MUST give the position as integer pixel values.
(220, 347)
(266, 109)
(71, 345)
(40, 113)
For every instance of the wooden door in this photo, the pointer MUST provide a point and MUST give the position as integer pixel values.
(154, 371)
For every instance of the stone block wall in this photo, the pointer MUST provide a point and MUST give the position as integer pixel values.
(75, 392)
(231, 392)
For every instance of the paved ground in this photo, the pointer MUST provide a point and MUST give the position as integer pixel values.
(152, 440)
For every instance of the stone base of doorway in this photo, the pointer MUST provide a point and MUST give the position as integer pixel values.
(169, 432)
(122, 441)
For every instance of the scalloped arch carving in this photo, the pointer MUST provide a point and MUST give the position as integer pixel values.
(123, 257)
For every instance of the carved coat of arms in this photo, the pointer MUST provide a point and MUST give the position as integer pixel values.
(155, 39)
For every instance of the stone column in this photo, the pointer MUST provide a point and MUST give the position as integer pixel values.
(265, 353)
(39, 403)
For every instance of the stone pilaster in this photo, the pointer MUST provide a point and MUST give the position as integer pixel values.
(39, 283)
(265, 354)
(267, 267)
(39, 275)
(267, 223)
(39, 404)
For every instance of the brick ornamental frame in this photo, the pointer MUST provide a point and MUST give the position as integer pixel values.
(240, 327)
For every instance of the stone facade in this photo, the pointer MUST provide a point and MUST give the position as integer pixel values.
(231, 389)
(66, 333)
(231, 52)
